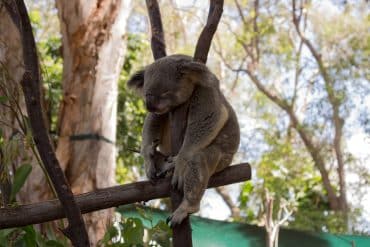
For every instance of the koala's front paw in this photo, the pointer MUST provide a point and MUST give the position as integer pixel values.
(150, 171)
(177, 180)
(166, 167)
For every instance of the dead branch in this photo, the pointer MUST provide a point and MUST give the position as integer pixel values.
(234, 209)
(76, 230)
(110, 197)
(157, 42)
(205, 38)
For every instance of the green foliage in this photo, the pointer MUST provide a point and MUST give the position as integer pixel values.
(3, 99)
(35, 18)
(52, 67)
(25, 237)
(131, 113)
(130, 232)
(20, 177)
(287, 171)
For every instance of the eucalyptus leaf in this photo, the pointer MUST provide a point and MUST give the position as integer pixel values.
(133, 231)
(20, 177)
(3, 99)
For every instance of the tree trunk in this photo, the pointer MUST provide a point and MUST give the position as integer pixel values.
(12, 126)
(93, 38)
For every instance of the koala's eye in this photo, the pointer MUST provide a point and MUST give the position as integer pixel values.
(166, 94)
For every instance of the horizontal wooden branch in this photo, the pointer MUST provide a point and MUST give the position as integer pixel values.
(110, 197)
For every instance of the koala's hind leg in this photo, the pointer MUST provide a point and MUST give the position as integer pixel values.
(197, 171)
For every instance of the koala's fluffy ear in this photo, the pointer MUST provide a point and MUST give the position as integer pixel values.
(136, 82)
(198, 73)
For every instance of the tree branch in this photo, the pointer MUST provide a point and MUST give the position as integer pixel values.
(306, 138)
(76, 230)
(288, 108)
(205, 38)
(110, 197)
(157, 41)
(234, 209)
(178, 117)
(334, 101)
(178, 120)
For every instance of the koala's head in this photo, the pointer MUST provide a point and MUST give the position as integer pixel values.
(169, 82)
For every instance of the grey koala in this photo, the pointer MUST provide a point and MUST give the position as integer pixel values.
(212, 133)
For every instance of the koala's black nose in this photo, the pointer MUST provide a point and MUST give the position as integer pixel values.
(150, 108)
(150, 103)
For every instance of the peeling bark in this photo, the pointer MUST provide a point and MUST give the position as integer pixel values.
(93, 37)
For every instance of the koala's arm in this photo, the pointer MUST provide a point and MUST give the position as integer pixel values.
(152, 132)
(207, 116)
(152, 137)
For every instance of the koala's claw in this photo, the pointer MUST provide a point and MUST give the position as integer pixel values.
(168, 220)
(163, 172)
(176, 218)
(177, 181)
(166, 167)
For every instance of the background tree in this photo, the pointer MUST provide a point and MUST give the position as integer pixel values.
(93, 41)
(295, 60)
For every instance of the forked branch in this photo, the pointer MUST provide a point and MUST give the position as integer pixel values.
(178, 117)
(157, 41)
(205, 38)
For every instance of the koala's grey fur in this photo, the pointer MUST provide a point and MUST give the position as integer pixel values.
(212, 132)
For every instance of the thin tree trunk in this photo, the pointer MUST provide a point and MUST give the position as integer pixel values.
(11, 112)
(93, 38)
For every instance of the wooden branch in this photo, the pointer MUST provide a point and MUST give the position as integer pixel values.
(234, 209)
(31, 85)
(335, 202)
(182, 232)
(178, 121)
(110, 197)
(157, 41)
(205, 38)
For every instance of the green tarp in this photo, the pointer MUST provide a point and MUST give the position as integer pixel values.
(214, 233)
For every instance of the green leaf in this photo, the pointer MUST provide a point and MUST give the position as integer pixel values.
(133, 231)
(5, 233)
(30, 237)
(161, 233)
(20, 177)
(111, 233)
(3, 99)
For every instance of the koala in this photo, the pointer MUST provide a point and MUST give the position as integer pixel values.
(212, 133)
